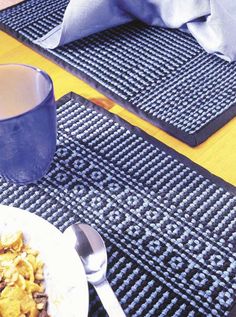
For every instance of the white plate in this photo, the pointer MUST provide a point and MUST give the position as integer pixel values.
(65, 280)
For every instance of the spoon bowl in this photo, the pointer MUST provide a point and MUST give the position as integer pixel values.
(92, 250)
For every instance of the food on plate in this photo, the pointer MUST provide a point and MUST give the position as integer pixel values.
(21, 279)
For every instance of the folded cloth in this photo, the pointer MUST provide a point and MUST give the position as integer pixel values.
(82, 18)
(211, 22)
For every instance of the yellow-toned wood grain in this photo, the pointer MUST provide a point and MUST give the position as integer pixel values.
(217, 154)
(8, 3)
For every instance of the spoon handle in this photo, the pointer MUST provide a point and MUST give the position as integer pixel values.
(109, 300)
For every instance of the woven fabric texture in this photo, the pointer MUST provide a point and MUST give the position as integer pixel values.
(162, 75)
(169, 225)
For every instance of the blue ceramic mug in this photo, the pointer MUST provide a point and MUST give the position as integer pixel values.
(27, 123)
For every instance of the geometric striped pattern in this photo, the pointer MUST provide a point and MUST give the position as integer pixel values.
(170, 226)
(162, 75)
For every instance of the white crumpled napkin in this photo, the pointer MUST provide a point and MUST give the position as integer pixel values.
(211, 22)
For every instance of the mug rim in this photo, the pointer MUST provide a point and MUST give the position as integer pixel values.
(48, 95)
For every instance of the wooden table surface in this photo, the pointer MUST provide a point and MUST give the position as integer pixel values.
(8, 3)
(217, 154)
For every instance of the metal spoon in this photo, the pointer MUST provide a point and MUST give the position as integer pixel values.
(92, 251)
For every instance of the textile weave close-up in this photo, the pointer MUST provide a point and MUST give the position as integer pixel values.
(168, 220)
(117, 158)
(162, 75)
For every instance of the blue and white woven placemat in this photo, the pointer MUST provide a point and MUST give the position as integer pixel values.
(169, 225)
(162, 75)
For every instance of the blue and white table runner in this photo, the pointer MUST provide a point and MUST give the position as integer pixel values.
(162, 75)
(169, 225)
